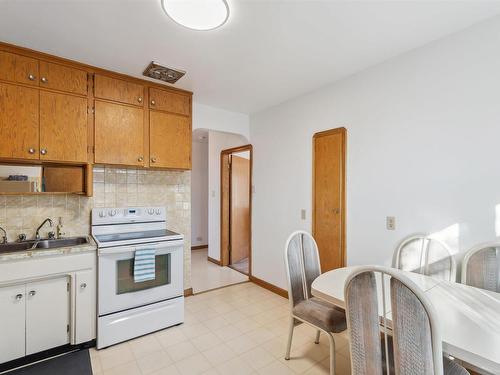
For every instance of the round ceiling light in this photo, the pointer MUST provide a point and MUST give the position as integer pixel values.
(197, 14)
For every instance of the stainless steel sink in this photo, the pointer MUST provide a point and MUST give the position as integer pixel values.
(42, 244)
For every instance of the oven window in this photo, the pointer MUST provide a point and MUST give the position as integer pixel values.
(125, 275)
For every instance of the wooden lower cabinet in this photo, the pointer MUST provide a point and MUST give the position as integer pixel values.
(170, 140)
(19, 107)
(63, 127)
(119, 134)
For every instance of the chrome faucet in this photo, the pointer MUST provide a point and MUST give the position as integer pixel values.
(3, 239)
(37, 234)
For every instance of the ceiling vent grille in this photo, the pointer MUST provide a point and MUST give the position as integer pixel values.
(157, 71)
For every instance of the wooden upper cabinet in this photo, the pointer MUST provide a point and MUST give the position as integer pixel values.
(118, 90)
(63, 127)
(19, 107)
(170, 140)
(63, 78)
(169, 101)
(17, 68)
(119, 134)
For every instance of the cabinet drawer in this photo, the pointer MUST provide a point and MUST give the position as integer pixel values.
(169, 101)
(118, 90)
(63, 78)
(17, 68)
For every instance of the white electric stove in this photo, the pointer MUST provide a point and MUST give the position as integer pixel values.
(128, 309)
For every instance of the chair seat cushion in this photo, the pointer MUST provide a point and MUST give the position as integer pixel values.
(321, 314)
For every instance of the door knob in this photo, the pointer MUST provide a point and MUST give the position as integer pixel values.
(44, 80)
(31, 150)
(43, 151)
(31, 77)
(19, 297)
(32, 293)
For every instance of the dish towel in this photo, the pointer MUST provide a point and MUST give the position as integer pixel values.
(144, 265)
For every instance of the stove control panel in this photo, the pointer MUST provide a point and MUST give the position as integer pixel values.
(114, 215)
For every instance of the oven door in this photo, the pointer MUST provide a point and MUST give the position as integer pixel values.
(117, 290)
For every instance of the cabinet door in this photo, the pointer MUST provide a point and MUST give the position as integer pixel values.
(118, 90)
(63, 127)
(163, 100)
(19, 107)
(17, 68)
(47, 314)
(12, 310)
(170, 140)
(63, 78)
(119, 134)
(85, 306)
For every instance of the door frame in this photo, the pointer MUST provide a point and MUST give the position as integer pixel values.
(224, 201)
(342, 131)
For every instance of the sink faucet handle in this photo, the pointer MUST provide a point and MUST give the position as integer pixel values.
(3, 239)
(22, 237)
(52, 235)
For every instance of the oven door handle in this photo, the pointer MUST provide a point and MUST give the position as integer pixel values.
(170, 247)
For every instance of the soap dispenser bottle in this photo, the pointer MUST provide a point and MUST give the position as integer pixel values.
(60, 229)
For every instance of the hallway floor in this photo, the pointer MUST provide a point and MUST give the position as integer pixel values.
(239, 330)
(206, 275)
(241, 266)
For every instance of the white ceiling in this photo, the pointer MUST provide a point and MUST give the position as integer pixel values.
(268, 52)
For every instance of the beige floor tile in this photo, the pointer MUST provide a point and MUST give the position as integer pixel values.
(145, 345)
(219, 354)
(241, 344)
(228, 332)
(205, 341)
(276, 368)
(194, 330)
(261, 335)
(235, 366)
(129, 368)
(181, 351)
(169, 370)
(276, 347)
(246, 324)
(215, 323)
(171, 336)
(257, 358)
(115, 356)
(149, 363)
(193, 365)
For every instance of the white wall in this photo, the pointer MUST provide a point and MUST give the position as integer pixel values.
(206, 117)
(217, 141)
(199, 194)
(423, 145)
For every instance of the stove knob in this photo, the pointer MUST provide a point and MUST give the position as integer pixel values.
(102, 214)
(151, 211)
(158, 211)
(112, 213)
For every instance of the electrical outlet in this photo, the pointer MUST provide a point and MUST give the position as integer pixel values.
(303, 214)
(390, 222)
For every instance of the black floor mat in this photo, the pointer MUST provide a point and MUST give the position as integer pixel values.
(76, 363)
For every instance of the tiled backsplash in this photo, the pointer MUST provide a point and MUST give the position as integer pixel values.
(113, 187)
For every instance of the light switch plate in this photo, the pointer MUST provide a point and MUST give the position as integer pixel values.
(390, 223)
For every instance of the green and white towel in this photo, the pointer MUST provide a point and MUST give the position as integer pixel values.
(144, 265)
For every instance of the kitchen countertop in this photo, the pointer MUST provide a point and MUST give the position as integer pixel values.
(30, 254)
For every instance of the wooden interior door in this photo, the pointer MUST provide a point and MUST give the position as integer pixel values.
(19, 122)
(240, 209)
(63, 127)
(170, 140)
(329, 197)
(119, 134)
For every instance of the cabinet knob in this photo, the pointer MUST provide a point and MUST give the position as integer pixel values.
(31, 77)
(153, 102)
(83, 286)
(31, 150)
(43, 151)
(19, 297)
(139, 99)
(153, 160)
(44, 80)
(32, 293)
(140, 158)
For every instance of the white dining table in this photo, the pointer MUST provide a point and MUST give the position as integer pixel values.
(469, 317)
